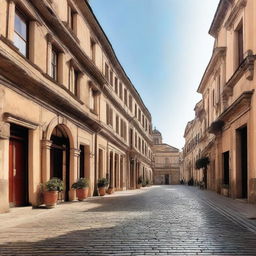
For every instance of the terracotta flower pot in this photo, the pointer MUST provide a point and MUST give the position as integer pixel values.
(110, 190)
(138, 186)
(102, 191)
(50, 199)
(82, 193)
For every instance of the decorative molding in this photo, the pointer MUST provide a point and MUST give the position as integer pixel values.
(75, 152)
(4, 130)
(46, 144)
(218, 52)
(247, 68)
(234, 13)
(10, 118)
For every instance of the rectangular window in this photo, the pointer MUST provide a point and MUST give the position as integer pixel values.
(117, 124)
(111, 78)
(106, 71)
(130, 102)
(120, 91)
(136, 140)
(116, 85)
(93, 50)
(73, 80)
(135, 110)
(93, 100)
(54, 64)
(21, 33)
(240, 44)
(213, 98)
(139, 115)
(125, 97)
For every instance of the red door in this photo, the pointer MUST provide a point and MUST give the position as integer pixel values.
(18, 172)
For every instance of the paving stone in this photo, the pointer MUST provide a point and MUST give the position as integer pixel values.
(162, 220)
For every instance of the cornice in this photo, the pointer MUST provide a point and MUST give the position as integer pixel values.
(241, 4)
(218, 52)
(102, 37)
(219, 16)
(247, 68)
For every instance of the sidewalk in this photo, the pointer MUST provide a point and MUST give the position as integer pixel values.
(237, 210)
(20, 215)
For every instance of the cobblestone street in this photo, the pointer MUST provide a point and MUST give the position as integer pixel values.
(161, 220)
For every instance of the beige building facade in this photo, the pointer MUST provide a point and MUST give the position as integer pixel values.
(166, 161)
(229, 103)
(67, 107)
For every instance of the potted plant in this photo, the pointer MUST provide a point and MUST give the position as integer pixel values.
(82, 188)
(51, 189)
(110, 190)
(102, 183)
(225, 189)
(202, 163)
(140, 180)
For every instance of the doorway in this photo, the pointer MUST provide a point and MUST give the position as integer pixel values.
(166, 177)
(59, 158)
(243, 168)
(18, 166)
(226, 168)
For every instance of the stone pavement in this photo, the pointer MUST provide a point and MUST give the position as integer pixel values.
(161, 220)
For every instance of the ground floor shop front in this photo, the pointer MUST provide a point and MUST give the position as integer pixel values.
(38, 143)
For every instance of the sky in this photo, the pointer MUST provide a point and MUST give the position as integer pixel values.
(164, 48)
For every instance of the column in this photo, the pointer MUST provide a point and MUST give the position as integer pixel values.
(34, 158)
(46, 159)
(73, 168)
(4, 166)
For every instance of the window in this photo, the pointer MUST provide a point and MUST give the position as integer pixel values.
(109, 114)
(93, 100)
(117, 124)
(54, 64)
(139, 115)
(116, 85)
(136, 140)
(73, 80)
(106, 71)
(120, 91)
(146, 127)
(123, 129)
(130, 102)
(111, 78)
(125, 97)
(93, 50)
(240, 46)
(135, 110)
(143, 122)
(71, 14)
(21, 33)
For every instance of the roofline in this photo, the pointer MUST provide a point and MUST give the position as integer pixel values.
(115, 57)
(219, 16)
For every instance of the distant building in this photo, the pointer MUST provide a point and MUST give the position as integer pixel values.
(166, 167)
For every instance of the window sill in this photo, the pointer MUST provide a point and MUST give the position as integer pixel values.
(71, 31)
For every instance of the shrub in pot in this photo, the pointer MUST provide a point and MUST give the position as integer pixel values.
(102, 184)
(140, 181)
(82, 188)
(110, 190)
(51, 189)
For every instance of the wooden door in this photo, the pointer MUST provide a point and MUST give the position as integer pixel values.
(18, 176)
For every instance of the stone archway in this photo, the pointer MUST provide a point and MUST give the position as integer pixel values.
(62, 131)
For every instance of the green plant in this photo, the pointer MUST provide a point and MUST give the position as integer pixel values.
(103, 182)
(140, 180)
(54, 184)
(81, 183)
(202, 162)
(144, 184)
(147, 182)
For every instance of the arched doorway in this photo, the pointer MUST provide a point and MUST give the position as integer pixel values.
(60, 158)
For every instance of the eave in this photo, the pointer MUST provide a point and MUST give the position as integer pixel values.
(219, 16)
(217, 53)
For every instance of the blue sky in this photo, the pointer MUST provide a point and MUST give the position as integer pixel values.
(164, 47)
